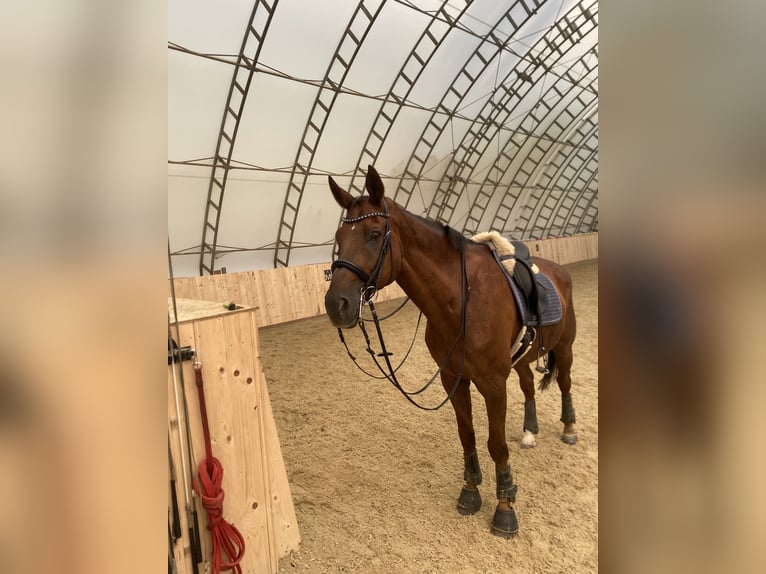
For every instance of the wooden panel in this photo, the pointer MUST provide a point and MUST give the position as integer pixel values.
(225, 346)
(565, 250)
(243, 437)
(284, 522)
(278, 295)
(191, 309)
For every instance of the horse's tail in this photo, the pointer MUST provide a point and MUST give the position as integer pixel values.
(551, 374)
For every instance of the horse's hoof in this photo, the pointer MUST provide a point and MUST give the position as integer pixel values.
(569, 438)
(469, 501)
(528, 440)
(504, 523)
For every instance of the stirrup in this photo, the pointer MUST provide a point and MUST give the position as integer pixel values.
(544, 369)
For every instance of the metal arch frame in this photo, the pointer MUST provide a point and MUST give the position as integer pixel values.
(572, 192)
(232, 115)
(527, 208)
(383, 122)
(509, 157)
(483, 37)
(556, 193)
(532, 166)
(317, 120)
(227, 134)
(418, 158)
(385, 118)
(590, 209)
(511, 201)
(505, 159)
(577, 205)
(479, 136)
(541, 193)
(594, 224)
(478, 150)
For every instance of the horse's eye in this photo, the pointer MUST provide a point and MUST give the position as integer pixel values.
(374, 235)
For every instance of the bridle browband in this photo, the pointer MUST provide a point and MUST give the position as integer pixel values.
(366, 294)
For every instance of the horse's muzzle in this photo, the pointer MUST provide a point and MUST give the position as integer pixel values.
(342, 310)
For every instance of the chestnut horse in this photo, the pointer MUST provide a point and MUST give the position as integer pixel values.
(471, 323)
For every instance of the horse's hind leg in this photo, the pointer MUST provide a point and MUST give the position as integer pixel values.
(527, 384)
(469, 501)
(563, 353)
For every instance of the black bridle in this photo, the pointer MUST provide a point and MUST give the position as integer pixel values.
(366, 294)
(371, 281)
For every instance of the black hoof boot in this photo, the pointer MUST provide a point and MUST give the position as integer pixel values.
(569, 439)
(469, 501)
(504, 523)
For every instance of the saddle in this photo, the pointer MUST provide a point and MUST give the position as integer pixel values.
(536, 298)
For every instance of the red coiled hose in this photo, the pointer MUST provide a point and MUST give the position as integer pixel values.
(226, 538)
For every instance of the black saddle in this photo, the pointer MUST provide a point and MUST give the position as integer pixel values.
(535, 296)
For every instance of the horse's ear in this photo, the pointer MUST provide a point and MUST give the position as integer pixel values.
(343, 197)
(374, 186)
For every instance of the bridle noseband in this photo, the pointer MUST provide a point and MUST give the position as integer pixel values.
(371, 280)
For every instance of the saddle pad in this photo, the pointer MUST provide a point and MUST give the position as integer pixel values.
(551, 314)
(546, 292)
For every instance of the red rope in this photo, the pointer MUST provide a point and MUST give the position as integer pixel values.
(226, 538)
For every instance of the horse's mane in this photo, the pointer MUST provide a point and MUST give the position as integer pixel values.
(456, 239)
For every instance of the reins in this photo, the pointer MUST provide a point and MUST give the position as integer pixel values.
(366, 299)
(368, 343)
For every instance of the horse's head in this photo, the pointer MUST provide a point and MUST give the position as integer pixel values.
(369, 253)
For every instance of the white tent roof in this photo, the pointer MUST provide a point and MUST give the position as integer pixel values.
(477, 114)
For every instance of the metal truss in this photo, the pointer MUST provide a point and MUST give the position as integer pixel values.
(541, 186)
(589, 219)
(535, 176)
(550, 51)
(494, 178)
(573, 86)
(362, 19)
(432, 37)
(562, 186)
(574, 188)
(579, 207)
(257, 26)
(426, 46)
(486, 51)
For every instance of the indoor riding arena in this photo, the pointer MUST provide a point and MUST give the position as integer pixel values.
(355, 377)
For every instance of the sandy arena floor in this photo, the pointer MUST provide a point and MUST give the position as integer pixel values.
(375, 480)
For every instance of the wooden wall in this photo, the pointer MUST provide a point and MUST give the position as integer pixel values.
(243, 435)
(565, 250)
(278, 295)
(287, 294)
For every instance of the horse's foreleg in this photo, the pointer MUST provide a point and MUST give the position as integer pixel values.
(469, 501)
(527, 384)
(504, 521)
